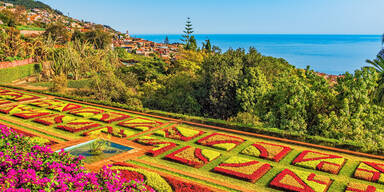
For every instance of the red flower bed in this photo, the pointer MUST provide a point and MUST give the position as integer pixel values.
(359, 187)
(193, 156)
(299, 181)
(267, 151)
(181, 186)
(180, 133)
(159, 145)
(370, 171)
(17, 96)
(140, 123)
(65, 107)
(46, 103)
(221, 141)
(54, 119)
(110, 117)
(243, 168)
(31, 114)
(3, 102)
(78, 125)
(86, 112)
(320, 161)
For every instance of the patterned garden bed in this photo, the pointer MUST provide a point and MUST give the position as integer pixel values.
(54, 119)
(4, 102)
(320, 161)
(158, 182)
(34, 113)
(179, 133)
(78, 125)
(110, 117)
(15, 108)
(64, 107)
(221, 141)
(300, 181)
(159, 146)
(192, 156)
(16, 96)
(86, 112)
(267, 151)
(47, 103)
(359, 187)
(116, 132)
(243, 168)
(370, 171)
(140, 123)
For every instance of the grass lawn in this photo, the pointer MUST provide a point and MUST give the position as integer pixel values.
(71, 83)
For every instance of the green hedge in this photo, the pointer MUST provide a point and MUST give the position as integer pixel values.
(270, 131)
(14, 73)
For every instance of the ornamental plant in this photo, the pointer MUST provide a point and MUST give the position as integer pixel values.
(25, 166)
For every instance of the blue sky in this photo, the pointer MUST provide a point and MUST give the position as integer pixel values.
(231, 16)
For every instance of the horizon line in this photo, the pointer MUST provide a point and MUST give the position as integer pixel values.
(256, 34)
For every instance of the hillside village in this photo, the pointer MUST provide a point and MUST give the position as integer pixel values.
(36, 20)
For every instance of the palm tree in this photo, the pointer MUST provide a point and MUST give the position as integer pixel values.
(378, 64)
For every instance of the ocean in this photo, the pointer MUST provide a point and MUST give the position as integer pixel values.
(331, 54)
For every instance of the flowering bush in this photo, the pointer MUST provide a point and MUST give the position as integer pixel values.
(28, 167)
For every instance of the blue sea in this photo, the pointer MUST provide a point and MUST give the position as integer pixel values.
(331, 54)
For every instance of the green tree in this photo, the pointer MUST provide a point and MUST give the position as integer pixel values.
(166, 40)
(188, 31)
(58, 33)
(378, 64)
(99, 38)
(207, 46)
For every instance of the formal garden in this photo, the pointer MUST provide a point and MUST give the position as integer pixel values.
(156, 153)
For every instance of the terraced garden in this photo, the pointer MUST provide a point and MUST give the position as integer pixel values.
(174, 155)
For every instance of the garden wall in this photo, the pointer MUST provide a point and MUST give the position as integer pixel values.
(7, 64)
(19, 71)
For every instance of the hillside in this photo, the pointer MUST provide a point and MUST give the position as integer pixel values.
(30, 4)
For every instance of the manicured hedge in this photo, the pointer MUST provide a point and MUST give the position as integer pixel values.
(14, 73)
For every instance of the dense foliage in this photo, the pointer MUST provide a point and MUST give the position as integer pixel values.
(35, 168)
(31, 4)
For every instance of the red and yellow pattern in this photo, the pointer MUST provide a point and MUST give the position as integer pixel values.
(179, 133)
(359, 187)
(159, 146)
(267, 151)
(15, 108)
(221, 141)
(300, 181)
(320, 161)
(16, 96)
(54, 119)
(140, 123)
(192, 156)
(65, 107)
(86, 112)
(78, 125)
(242, 168)
(110, 117)
(370, 171)
(47, 103)
(4, 102)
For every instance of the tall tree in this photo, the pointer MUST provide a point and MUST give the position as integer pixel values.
(166, 40)
(188, 31)
(207, 46)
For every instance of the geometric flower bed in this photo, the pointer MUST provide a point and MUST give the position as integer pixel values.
(300, 181)
(32, 114)
(140, 123)
(156, 181)
(359, 187)
(267, 151)
(46, 103)
(159, 145)
(110, 117)
(320, 161)
(65, 107)
(16, 96)
(78, 125)
(243, 168)
(3, 102)
(179, 133)
(221, 141)
(369, 171)
(54, 119)
(192, 156)
(120, 133)
(16, 108)
(86, 112)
